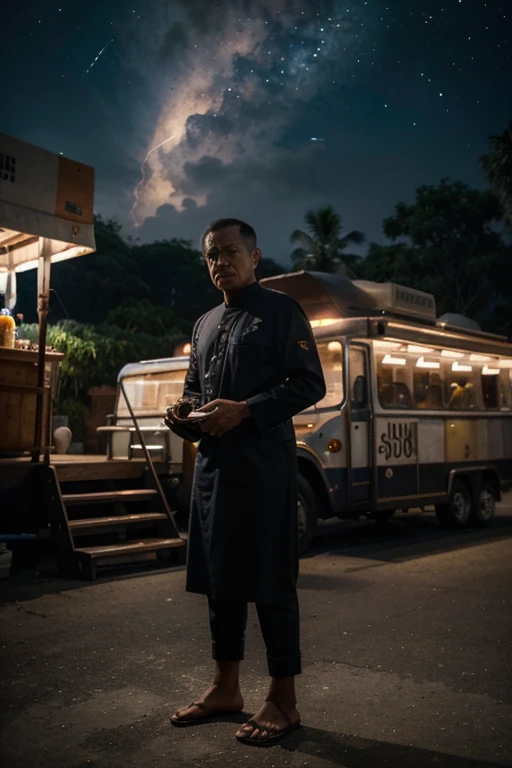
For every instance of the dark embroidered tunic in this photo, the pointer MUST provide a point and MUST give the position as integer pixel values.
(258, 348)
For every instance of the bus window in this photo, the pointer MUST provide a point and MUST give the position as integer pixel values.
(490, 385)
(463, 387)
(394, 375)
(428, 390)
(330, 354)
(505, 392)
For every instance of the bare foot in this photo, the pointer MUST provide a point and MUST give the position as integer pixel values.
(269, 715)
(215, 700)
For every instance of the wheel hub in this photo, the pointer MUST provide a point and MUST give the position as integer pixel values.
(459, 506)
(486, 505)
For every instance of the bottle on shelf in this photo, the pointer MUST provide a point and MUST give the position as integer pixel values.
(7, 327)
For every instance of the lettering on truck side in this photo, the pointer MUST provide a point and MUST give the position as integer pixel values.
(398, 441)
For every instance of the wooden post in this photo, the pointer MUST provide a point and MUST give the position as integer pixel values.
(43, 303)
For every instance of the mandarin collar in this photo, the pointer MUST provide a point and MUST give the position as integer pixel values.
(246, 294)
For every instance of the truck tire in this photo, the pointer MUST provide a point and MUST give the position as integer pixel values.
(485, 505)
(457, 513)
(306, 515)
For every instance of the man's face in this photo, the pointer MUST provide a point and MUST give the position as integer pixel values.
(230, 263)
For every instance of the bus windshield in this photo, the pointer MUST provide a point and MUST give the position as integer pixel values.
(152, 393)
(331, 353)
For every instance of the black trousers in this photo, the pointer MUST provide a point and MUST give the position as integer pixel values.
(279, 625)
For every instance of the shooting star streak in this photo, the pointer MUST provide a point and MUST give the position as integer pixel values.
(142, 176)
(154, 148)
(97, 57)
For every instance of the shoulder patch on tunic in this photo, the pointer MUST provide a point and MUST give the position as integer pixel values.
(303, 345)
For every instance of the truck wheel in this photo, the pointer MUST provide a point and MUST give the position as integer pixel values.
(306, 515)
(485, 506)
(457, 512)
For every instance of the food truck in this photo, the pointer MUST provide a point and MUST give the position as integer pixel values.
(417, 413)
(96, 512)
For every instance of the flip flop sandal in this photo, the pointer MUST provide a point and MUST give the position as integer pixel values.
(273, 734)
(210, 714)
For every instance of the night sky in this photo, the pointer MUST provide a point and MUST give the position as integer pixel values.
(264, 108)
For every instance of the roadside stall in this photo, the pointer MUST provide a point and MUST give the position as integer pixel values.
(96, 511)
(46, 216)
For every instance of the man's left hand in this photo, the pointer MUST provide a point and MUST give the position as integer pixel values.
(226, 415)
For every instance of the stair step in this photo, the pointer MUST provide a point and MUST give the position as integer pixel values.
(106, 497)
(144, 545)
(115, 520)
(99, 469)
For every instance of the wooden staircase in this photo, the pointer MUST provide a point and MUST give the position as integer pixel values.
(109, 514)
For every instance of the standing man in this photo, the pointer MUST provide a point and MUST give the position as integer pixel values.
(253, 365)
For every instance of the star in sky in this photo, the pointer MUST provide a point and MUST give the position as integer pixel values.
(249, 105)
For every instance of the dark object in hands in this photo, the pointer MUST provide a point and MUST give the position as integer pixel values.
(178, 421)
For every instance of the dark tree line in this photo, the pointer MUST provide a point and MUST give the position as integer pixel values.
(453, 241)
(129, 301)
(120, 280)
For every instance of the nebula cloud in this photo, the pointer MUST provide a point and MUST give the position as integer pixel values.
(229, 77)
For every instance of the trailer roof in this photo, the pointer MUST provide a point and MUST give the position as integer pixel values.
(323, 295)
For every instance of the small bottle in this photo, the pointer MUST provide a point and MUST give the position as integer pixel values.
(7, 329)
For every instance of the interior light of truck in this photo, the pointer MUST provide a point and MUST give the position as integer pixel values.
(422, 363)
(505, 363)
(451, 354)
(334, 346)
(480, 359)
(419, 350)
(187, 349)
(322, 323)
(486, 371)
(390, 360)
(386, 345)
(462, 368)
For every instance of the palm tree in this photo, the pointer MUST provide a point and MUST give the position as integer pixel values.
(497, 166)
(323, 248)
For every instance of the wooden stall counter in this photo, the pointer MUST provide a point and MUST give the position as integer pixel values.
(18, 398)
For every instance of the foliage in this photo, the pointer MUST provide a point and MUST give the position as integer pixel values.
(177, 277)
(80, 353)
(268, 268)
(145, 317)
(450, 247)
(324, 248)
(95, 355)
(497, 166)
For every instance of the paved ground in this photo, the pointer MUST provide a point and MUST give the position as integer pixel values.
(406, 638)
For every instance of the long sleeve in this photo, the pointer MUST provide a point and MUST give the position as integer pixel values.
(301, 373)
(192, 386)
(191, 391)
